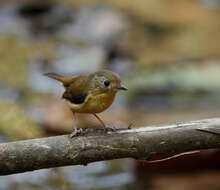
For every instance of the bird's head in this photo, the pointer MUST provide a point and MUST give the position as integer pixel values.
(105, 81)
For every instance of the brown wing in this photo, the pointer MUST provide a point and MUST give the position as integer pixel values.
(77, 92)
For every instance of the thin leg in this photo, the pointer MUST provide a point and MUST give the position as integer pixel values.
(76, 131)
(103, 124)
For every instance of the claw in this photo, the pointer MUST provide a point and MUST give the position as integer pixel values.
(106, 128)
(76, 132)
(130, 126)
(103, 124)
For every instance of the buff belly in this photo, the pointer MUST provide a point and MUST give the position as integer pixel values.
(93, 104)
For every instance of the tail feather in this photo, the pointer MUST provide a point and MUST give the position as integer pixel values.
(65, 80)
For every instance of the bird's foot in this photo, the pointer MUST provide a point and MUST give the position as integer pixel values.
(76, 132)
(130, 125)
(107, 128)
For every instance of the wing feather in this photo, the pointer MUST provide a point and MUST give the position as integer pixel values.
(77, 91)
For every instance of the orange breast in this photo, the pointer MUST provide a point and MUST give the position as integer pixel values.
(97, 103)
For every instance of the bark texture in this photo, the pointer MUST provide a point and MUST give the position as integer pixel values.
(139, 143)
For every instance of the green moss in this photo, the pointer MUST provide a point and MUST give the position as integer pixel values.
(15, 124)
(16, 56)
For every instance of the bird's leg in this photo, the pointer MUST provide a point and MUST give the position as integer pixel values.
(103, 124)
(76, 131)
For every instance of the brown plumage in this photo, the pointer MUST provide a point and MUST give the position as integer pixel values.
(90, 93)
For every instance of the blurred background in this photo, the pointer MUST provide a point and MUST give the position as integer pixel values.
(167, 54)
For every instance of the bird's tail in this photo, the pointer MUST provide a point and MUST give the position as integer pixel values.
(65, 80)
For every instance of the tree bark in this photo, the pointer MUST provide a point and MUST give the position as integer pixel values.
(139, 143)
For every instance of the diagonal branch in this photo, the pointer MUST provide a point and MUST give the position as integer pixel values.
(139, 143)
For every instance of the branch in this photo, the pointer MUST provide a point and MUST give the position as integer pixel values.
(139, 143)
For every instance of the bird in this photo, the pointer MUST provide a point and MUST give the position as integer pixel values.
(89, 93)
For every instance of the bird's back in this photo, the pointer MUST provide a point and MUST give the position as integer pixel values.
(77, 92)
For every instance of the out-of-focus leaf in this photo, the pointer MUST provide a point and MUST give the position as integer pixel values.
(15, 124)
(16, 56)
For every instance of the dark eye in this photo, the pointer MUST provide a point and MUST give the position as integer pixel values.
(107, 83)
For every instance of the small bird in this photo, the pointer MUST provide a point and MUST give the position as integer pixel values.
(91, 93)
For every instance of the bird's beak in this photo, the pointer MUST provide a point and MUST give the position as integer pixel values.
(122, 87)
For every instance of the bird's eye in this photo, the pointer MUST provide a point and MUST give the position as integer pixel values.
(107, 83)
